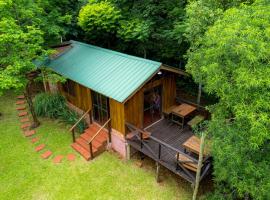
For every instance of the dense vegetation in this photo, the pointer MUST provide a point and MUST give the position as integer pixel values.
(224, 44)
(54, 106)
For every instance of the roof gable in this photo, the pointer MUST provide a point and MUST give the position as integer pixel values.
(108, 72)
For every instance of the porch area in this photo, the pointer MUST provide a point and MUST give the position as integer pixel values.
(164, 142)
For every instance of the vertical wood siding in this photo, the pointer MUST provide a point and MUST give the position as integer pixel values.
(117, 115)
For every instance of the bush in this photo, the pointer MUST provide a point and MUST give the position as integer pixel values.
(54, 106)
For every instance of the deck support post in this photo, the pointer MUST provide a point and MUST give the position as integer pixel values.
(127, 151)
(198, 174)
(157, 172)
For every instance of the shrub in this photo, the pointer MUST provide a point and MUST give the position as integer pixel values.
(54, 106)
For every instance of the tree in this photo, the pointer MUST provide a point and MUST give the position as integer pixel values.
(232, 60)
(99, 20)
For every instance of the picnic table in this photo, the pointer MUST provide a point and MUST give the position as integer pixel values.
(182, 111)
(193, 145)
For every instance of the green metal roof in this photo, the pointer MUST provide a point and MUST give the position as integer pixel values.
(113, 74)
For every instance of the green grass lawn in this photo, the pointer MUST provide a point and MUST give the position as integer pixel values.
(24, 175)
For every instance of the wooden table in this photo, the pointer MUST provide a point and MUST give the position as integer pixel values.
(193, 145)
(182, 111)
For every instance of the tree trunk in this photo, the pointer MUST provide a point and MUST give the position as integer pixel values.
(199, 95)
(28, 96)
(198, 174)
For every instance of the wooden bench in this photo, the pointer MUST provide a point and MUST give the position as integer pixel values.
(196, 120)
(189, 165)
(169, 110)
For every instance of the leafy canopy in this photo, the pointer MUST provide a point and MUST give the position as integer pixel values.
(232, 60)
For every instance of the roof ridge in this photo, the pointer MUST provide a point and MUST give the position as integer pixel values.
(117, 52)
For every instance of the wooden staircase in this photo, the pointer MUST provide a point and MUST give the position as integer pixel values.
(82, 146)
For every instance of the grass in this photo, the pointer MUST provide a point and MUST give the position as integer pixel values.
(24, 175)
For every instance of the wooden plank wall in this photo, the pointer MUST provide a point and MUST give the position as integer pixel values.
(169, 91)
(82, 99)
(117, 115)
(134, 106)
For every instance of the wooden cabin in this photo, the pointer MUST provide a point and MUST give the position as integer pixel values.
(131, 93)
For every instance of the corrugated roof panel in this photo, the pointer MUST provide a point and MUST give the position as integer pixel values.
(108, 72)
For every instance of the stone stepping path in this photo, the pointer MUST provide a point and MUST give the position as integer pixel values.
(26, 119)
(40, 147)
(71, 157)
(58, 159)
(29, 133)
(46, 155)
(34, 140)
(27, 125)
(20, 97)
(21, 108)
(21, 114)
(20, 102)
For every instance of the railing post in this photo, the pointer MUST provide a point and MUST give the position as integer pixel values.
(90, 117)
(73, 135)
(177, 159)
(159, 151)
(110, 131)
(91, 150)
(141, 138)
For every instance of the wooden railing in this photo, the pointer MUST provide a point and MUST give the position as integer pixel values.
(72, 129)
(165, 147)
(96, 134)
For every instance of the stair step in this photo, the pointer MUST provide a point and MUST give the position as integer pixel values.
(100, 138)
(81, 151)
(95, 144)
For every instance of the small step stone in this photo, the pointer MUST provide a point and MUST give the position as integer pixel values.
(21, 114)
(40, 147)
(71, 157)
(21, 108)
(27, 125)
(20, 102)
(46, 155)
(26, 119)
(58, 159)
(20, 97)
(29, 133)
(34, 140)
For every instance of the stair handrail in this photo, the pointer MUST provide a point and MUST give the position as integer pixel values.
(76, 124)
(96, 134)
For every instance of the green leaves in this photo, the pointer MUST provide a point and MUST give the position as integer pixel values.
(232, 60)
(97, 18)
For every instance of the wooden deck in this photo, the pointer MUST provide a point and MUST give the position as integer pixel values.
(165, 147)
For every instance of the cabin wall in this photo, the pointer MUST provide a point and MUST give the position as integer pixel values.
(169, 91)
(82, 98)
(134, 106)
(117, 115)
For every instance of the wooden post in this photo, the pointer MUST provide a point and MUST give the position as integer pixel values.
(157, 172)
(198, 173)
(91, 150)
(199, 94)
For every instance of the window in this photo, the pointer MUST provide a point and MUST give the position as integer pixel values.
(69, 87)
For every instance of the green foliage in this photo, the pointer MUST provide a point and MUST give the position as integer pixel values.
(18, 47)
(232, 60)
(99, 18)
(54, 106)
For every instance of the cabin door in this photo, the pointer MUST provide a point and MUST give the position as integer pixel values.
(100, 108)
(152, 107)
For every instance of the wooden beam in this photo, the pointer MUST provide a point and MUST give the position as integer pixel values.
(174, 70)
